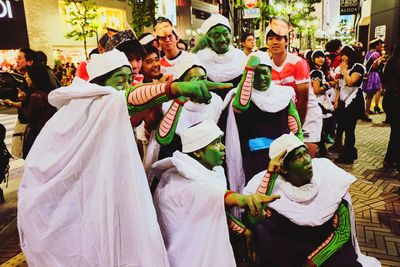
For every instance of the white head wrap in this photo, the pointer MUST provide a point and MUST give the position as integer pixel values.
(100, 64)
(263, 56)
(213, 21)
(286, 142)
(200, 136)
(187, 63)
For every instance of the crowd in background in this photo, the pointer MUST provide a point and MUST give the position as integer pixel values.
(317, 95)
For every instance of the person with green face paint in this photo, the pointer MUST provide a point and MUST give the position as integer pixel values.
(312, 224)
(85, 162)
(259, 112)
(179, 114)
(223, 62)
(192, 197)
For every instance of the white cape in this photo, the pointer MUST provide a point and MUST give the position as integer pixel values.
(190, 204)
(84, 198)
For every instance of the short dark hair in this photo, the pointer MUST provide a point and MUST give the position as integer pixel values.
(151, 50)
(272, 34)
(103, 40)
(41, 57)
(131, 47)
(373, 44)
(245, 35)
(30, 55)
(333, 45)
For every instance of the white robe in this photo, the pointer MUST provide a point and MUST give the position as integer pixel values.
(223, 67)
(84, 198)
(190, 205)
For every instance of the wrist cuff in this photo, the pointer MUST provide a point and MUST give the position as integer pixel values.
(227, 193)
(168, 89)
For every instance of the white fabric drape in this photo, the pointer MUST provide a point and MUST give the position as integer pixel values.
(84, 199)
(223, 67)
(190, 206)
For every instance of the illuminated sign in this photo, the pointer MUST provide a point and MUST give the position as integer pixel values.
(12, 21)
(349, 7)
(5, 9)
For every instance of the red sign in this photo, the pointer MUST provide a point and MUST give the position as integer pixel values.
(250, 3)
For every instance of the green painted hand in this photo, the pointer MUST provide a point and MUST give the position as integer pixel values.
(201, 44)
(253, 62)
(197, 91)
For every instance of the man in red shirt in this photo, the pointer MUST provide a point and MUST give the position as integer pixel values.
(168, 40)
(291, 70)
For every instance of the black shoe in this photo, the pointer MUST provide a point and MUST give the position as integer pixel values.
(344, 160)
(377, 110)
(366, 119)
(335, 148)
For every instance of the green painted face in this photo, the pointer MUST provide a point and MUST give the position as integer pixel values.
(262, 78)
(299, 167)
(120, 79)
(213, 154)
(219, 37)
(195, 74)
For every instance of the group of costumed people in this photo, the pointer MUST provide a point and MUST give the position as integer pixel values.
(85, 198)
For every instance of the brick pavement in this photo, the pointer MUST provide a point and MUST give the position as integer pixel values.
(376, 202)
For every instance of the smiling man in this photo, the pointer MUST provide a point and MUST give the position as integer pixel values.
(312, 224)
(191, 199)
(223, 62)
(151, 67)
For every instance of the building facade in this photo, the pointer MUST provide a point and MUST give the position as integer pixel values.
(45, 25)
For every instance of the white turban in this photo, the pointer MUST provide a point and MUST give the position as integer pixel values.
(200, 136)
(101, 64)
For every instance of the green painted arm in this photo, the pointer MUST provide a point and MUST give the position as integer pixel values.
(236, 225)
(167, 127)
(336, 240)
(294, 122)
(242, 98)
(144, 96)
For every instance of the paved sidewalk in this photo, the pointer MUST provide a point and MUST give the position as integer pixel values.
(375, 196)
(375, 199)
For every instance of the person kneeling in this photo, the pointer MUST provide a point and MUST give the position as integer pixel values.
(191, 198)
(312, 224)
